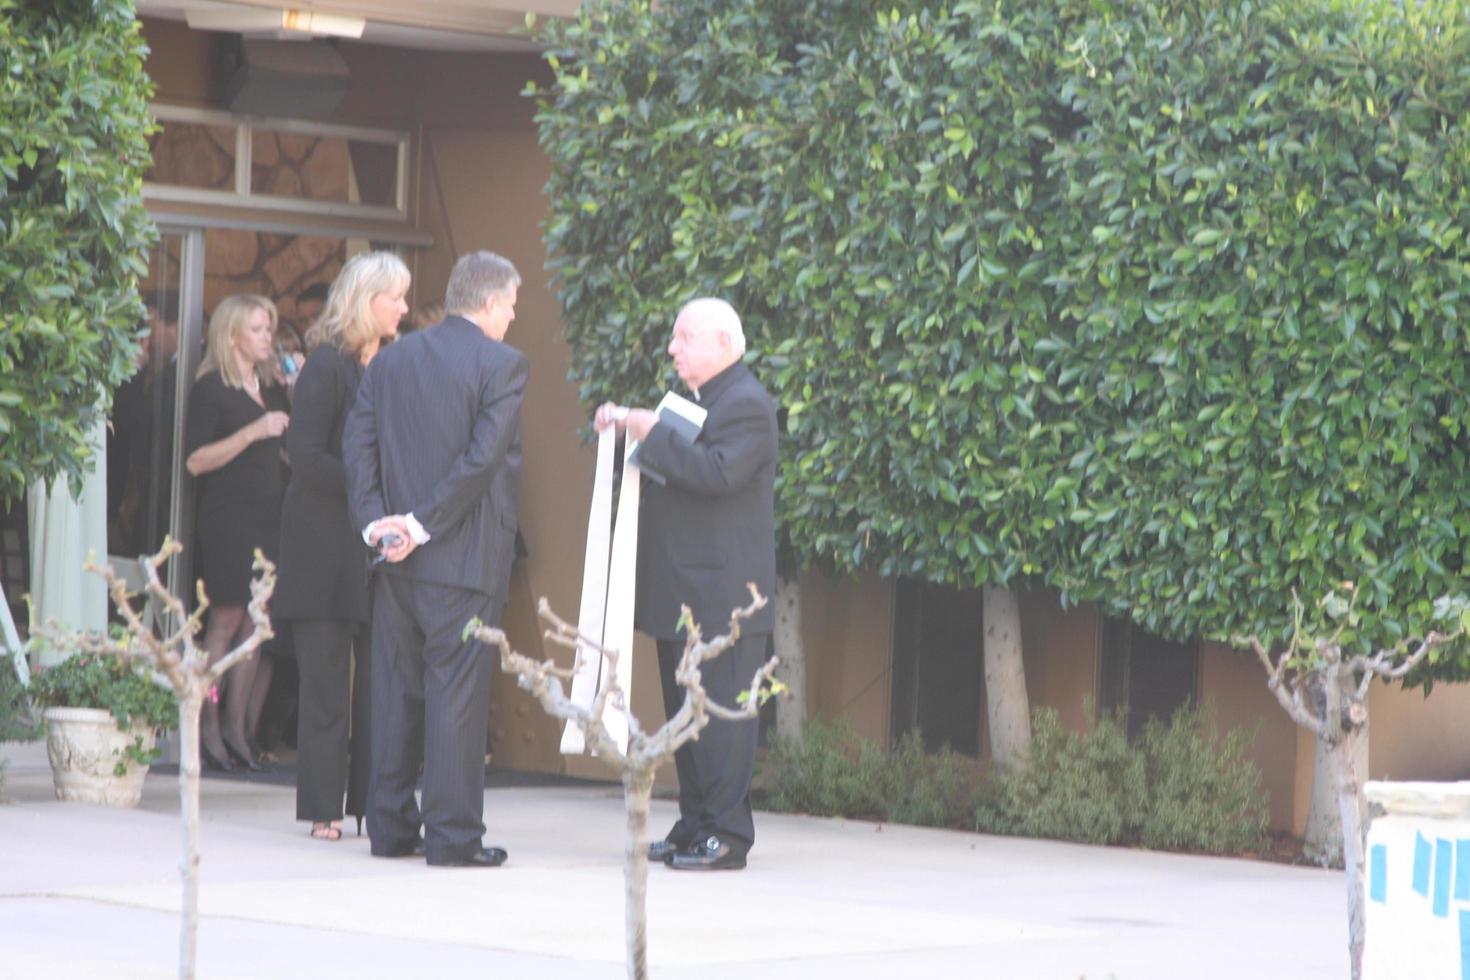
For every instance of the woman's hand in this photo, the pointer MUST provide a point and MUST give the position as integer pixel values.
(269, 425)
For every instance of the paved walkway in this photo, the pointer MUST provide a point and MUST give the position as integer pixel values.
(91, 892)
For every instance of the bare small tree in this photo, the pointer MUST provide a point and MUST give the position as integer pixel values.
(181, 665)
(1325, 691)
(646, 751)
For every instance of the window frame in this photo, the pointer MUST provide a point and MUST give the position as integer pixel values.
(243, 197)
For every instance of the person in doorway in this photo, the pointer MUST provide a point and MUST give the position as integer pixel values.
(236, 421)
(310, 303)
(322, 591)
(433, 455)
(704, 532)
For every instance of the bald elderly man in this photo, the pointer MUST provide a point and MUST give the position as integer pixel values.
(705, 531)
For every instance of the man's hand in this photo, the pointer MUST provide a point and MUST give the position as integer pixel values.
(637, 422)
(396, 526)
(609, 413)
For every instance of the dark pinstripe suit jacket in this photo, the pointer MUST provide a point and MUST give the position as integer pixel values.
(710, 529)
(435, 432)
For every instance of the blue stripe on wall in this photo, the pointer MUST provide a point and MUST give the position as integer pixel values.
(1462, 870)
(1444, 867)
(1378, 873)
(1422, 851)
(1464, 944)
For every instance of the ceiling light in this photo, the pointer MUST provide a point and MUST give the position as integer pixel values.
(289, 22)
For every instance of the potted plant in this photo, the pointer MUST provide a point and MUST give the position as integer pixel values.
(102, 716)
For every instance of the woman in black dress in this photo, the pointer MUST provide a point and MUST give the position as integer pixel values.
(233, 445)
(323, 588)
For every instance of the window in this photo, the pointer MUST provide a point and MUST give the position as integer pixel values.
(938, 674)
(1147, 675)
(203, 156)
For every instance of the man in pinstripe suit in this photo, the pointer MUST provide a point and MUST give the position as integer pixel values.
(433, 456)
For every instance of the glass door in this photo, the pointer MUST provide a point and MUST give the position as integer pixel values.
(147, 498)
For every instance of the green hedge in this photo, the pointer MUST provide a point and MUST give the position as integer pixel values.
(1154, 302)
(73, 234)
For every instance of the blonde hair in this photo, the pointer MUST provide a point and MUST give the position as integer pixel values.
(347, 319)
(231, 317)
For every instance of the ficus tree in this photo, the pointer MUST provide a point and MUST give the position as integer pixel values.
(828, 169)
(74, 128)
(1155, 303)
(1325, 690)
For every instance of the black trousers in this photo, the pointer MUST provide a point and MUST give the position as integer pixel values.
(431, 697)
(716, 769)
(333, 718)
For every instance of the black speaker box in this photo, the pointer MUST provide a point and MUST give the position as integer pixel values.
(295, 79)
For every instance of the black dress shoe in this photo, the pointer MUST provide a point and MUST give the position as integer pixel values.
(416, 849)
(711, 854)
(664, 850)
(486, 857)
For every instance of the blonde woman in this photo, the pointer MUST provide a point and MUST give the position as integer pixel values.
(236, 418)
(323, 588)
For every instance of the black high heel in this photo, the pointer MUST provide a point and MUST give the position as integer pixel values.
(243, 760)
(359, 826)
(213, 763)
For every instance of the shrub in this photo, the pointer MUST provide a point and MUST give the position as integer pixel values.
(1085, 787)
(928, 790)
(829, 772)
(16, 723)
(1179, 787)
(1093, 293)
(1204, 795)
(832, 772)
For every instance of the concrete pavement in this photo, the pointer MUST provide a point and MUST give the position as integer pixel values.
(93, 892)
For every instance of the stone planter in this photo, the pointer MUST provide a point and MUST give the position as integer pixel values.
(1417, 881)
(84, 746)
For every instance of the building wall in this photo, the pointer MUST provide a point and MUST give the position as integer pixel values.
(1235, 684)
(847, 635)
(1059, 647)
(1413, 737)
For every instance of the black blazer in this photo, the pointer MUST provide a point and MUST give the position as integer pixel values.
(323, 566)
(711, 528)
(436, 432)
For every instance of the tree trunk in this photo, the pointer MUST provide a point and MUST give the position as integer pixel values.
(1323, 838)
(1006, 702)
(791, 712)
(189, 706)
(1322, 841)
(637, 790)
(1349, 807)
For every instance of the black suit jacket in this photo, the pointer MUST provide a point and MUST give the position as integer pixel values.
(323, 566)
(435, 432)
(710, 528)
